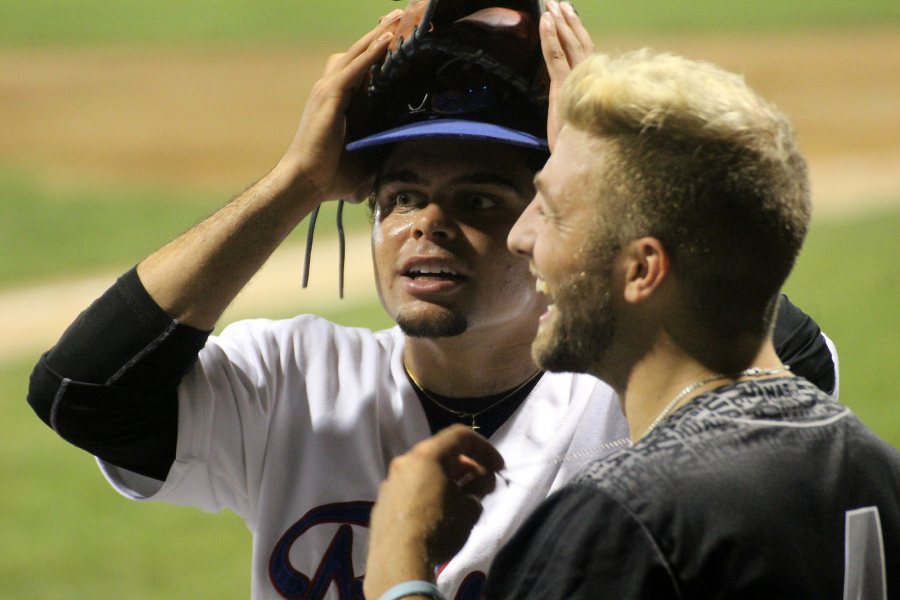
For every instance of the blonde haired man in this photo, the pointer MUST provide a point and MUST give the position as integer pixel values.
(665, 222)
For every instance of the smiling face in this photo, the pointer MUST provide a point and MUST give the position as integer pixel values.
(443, 210)
(573, 250)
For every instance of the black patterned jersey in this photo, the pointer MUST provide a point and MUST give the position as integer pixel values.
(761, 489)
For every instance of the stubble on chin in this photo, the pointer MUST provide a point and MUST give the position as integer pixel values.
(579, 337)
(580, 333)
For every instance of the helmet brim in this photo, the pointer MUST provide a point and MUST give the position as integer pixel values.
(451, 129)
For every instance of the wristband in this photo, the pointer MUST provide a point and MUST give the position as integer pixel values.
(410, 588)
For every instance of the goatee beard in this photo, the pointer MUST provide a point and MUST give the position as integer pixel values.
(446, 324)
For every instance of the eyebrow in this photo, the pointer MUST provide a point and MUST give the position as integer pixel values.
(476, 178)
(405, 176)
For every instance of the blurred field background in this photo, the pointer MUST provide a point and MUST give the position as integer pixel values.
(123, 124)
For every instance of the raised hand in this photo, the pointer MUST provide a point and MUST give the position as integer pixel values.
(316, 153)
(565, 43)
(197, 275)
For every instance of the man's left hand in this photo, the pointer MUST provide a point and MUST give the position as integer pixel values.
(565, 43)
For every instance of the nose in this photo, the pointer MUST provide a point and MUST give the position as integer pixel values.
(432, 222)
(521, 236)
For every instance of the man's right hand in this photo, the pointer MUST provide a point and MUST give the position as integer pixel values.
(195, 277)
(316, 154)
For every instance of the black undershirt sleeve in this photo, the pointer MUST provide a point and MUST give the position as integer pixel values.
(109, 386)
(799, 343)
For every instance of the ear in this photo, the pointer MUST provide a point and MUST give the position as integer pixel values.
(647, 265)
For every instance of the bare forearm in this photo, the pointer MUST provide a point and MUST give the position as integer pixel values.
(195, 277)
(388, 566)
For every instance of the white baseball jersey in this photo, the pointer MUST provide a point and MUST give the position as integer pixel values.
(292, 424)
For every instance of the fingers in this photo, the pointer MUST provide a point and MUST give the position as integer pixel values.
(385, 25)
(564, 39)
(477, 485)
(466, 458)
(334, 61)
(575, 27)
(551, 46)
(459, 440)
(348, 72)
(565, 43)
(349, 77)
(364, 44)
(345, 71)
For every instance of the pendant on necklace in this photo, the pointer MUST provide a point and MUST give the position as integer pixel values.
(474, 426)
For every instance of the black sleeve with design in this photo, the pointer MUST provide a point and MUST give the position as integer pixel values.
(580, 544)
(109, 386)
(800, 344)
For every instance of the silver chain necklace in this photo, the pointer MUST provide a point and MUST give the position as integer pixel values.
(470, 415)
(751, 372)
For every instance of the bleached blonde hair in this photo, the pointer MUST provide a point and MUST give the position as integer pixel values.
(704, 164)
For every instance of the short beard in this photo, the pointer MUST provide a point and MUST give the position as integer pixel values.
(447, 324)
(585, 325)
(580, 335)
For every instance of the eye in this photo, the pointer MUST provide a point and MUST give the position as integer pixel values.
(543, 211)
(481, 202)
(406, 199)
(401, 200)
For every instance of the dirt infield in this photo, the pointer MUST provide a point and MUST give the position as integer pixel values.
(221, 118)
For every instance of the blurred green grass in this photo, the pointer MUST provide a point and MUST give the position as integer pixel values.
(65, 534)
(847, 279)
(48, 232)
(51, 22)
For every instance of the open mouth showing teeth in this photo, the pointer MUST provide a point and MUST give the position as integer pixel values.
(434, 273)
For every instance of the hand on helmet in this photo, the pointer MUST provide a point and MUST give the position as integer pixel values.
(565, 43)
(316, 153)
